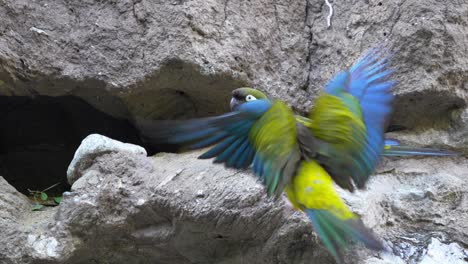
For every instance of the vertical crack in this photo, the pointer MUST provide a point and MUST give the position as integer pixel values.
(309, 44)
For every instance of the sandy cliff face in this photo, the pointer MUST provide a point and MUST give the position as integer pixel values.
(72, 68)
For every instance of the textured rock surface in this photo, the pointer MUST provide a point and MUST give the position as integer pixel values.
(146, 54)
(134, 209)
(172, 60)
(413, 202)
(440, 253)
(11, 201)
(127, 208)
(94, 146)
(181, 59)
(22, 231)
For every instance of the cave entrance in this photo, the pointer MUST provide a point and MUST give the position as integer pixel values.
(39, 136)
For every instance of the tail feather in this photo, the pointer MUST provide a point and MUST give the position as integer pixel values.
(337, 234)
(392, 142)
(394, 150)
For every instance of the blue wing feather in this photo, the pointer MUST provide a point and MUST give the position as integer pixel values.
(246, 159)
(367, 80)
(197, 134)
(258, 165)
(392, 142)
(218, 149)
(209, 141)
(226, 154)
(374, 93)
(237, 155)
(229, 133)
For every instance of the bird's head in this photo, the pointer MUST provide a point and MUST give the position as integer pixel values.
(243, 95)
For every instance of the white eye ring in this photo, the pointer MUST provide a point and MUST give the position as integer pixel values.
(250, 97)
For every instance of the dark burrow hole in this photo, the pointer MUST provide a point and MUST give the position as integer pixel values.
(40, 135)
(426, 109)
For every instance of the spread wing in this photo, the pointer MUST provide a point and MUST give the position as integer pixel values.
(260, 132)
(349, 119)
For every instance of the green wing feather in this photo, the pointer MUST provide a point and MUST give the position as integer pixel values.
(335, 134)
(277, 155)
(338, 122)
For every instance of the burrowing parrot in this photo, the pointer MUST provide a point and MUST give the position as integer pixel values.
(343, 143)
(392, 147)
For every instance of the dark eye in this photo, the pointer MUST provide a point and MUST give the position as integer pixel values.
(250, 97)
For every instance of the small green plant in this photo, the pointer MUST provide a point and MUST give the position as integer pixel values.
(41, 198)
(58, 199)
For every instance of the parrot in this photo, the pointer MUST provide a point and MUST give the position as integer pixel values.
(342, 144)
(392, 147)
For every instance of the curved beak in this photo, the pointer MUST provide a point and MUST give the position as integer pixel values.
(234, 104)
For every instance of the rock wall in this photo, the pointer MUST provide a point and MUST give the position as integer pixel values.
(128, 208)
(147, 52)
(166, 60)
(125, 207)
(129, 58)
(117, 60)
